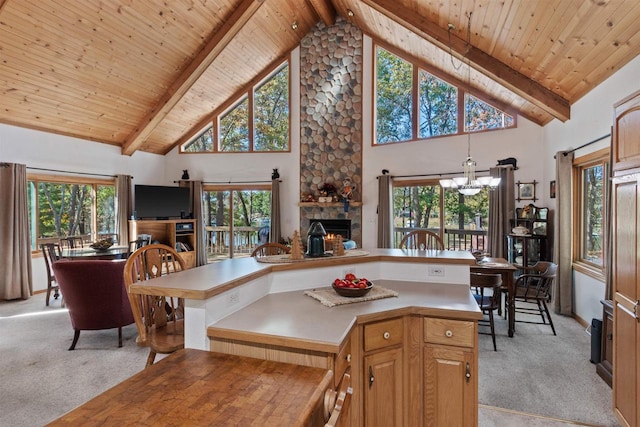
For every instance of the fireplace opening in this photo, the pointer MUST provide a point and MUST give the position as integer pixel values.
(336, 227)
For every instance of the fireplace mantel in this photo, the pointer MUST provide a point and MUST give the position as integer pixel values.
(327, 205)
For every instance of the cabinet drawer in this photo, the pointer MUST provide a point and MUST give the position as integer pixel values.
(343, 361)
(449, 332)
(382, 334)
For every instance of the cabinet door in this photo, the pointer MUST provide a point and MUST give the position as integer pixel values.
(383, 389)
(450, 387)
(626, 134)
(626, 335)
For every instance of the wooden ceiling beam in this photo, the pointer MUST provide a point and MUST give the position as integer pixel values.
(190, 75)
(325, 11)
(513, 80)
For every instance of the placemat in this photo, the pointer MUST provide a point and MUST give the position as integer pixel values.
(328, 297)
(275, 259)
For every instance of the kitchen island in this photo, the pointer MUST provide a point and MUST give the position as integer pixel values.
(412, 358)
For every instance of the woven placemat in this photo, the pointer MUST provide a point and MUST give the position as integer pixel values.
(276, 259)
(328, 297)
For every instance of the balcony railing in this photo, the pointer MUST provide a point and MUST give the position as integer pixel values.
(454, 239)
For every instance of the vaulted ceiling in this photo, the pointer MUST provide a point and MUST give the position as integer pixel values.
(143, 75)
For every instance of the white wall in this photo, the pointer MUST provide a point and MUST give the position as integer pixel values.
(591, 118)
(49, 151)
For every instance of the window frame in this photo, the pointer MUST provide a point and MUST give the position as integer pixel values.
(247, 92)
(64, 179)
(580, 164)
(462, 89)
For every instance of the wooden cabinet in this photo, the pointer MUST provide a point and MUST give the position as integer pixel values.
(527, 249)
(450, 373)
(383, 370)
(626, 275)
(180, 234)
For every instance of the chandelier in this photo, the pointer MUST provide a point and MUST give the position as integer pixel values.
(468, 184)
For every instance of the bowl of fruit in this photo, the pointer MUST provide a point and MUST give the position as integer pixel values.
(351, 286)
(102, 245)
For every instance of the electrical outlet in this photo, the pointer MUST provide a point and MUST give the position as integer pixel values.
(436, 270)
(233, 298)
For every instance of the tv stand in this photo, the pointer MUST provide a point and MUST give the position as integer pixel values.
(180, 234)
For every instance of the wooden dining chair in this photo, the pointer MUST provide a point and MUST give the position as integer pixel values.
(51, 253)
(138, 243)
(487, 295)
(270, 249)
(159, 319)
(533, 291)
(422, 240)
(71, 242)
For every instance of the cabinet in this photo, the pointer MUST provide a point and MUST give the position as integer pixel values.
(180, 234)
(527, 248)
(604, 368)
(625, 201)
(382, 363)
(450, 373)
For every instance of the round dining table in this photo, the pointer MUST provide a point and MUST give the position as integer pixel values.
(114, 252)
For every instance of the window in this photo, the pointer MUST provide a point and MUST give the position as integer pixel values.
(256, 120)
(437, 111)
(67, 207)
(238, 219)
(591, 173)
(461, 221)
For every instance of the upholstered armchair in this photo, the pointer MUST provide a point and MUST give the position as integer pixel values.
(95, 294)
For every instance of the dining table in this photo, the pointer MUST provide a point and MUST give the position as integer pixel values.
(506, 270)
(87, 252)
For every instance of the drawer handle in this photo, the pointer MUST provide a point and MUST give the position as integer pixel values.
(348, 357)
(386, 335)
(448, 333)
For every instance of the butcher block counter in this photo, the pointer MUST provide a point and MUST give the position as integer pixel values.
(194, 387)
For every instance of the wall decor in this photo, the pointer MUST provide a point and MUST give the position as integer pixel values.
(526, 191)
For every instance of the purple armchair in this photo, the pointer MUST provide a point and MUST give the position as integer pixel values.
(95, 294)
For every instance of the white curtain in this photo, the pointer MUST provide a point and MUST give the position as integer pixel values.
(15, 244)
(562, 254)
(385, 211)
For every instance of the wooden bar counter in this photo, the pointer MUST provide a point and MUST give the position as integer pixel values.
(194, 387)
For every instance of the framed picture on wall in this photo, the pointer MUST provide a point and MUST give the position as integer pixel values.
(526, 191)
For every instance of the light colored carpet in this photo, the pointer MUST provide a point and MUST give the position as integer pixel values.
(533, 372)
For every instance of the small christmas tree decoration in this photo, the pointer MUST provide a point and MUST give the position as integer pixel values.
(338, 247)
(296, 246)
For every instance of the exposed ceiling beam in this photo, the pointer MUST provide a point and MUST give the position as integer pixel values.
(325, 11)
(190, 75)
(513, 80)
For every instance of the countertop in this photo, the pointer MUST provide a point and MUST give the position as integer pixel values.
(297, 320)
(216, 278)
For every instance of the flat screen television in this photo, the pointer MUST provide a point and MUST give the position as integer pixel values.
(161, 202)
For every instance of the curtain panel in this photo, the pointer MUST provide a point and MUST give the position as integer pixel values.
(562, 254)
(16, 279)
(124, 207)
(385, 211)
(501, 210)
(275, 232)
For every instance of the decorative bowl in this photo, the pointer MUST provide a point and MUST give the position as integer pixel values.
(352, 292)
(102, 245)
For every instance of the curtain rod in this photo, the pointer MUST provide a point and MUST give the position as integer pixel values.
(76, 173)
(435, 174)
(231, 182)
(565, 153)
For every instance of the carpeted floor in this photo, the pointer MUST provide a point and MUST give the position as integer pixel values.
(533, 372)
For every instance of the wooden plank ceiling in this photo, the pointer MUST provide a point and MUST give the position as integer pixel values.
(143, 75)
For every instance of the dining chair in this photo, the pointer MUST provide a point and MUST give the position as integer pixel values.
(422, 240)
(71, 242)
(138, 243)
(159, 319)
(487, 295)
(51, 253)
(95, 295)
(270, 249)
(533, 291)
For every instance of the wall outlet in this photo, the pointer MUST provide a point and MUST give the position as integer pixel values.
(233, 298)
(436, 270)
